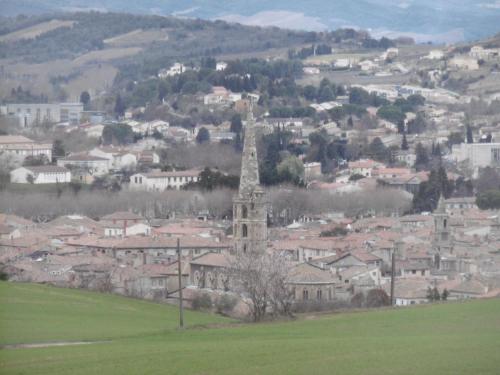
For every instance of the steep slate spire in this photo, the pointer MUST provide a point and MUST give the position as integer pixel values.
(249, 180)
(441, 207)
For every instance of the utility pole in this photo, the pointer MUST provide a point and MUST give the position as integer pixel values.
(181, 310)
(393, 269)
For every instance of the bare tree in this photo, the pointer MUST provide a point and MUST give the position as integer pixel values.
(261, 280)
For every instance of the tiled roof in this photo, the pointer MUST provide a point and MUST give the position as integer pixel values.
(306, 273)
(122, 215)
(212, 259)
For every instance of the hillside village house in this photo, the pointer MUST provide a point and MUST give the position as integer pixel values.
(463, 63)
(124, 224)
(405, 157)
(148, 157)
(310, 283)
(174, 70)
(477, 155)
(37, 113)
(44, 174)
(160, 181)
(86, 164)
(19, 148)
(9, 232)
(312, 171)
(220, 66)
(362, 167)
(118, 158)
(222, 96)
(481, 53)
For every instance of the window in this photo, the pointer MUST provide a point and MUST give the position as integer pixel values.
(244, 212)
(305, 294)
(414, 272)
(319, 294)
(244, 230)
(445, 222)
(495, 155)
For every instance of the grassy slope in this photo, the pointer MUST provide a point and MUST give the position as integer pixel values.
(443, 339)
(36, 313)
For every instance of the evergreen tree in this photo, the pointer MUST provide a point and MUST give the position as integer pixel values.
(422, 156)
(404, 143)
(203, 135)
(119, 106)
(350, 122)
(85, 99)
(58, 150)
(401, 126)
(469, 137)
(378, 151)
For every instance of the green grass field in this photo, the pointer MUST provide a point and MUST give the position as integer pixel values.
(454, 338)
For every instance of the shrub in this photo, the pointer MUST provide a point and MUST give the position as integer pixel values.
(226, 304)
(358, 300)
(377, 298)
(202, 302)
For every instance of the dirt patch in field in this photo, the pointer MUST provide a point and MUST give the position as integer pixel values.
(106, 55)
(35, 30)
(50, 344)
(138, 37)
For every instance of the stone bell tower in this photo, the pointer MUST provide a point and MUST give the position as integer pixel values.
(442, 233)
(249, 206)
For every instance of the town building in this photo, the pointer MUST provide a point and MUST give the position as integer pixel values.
(477, 155)
(37, 113)
(118, 158)
(174, 70)
(85, 164)
(161, 181)
(221, 96)
(19, 148)
(44, 174)
(463, 63)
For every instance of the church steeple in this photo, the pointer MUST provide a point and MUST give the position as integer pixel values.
(249, 179)
(443, 241)
(249, 206)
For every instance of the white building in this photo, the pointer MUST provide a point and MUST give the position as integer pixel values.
(312, 171)
(406, 157)
(220, 66)
(118, 158)
(479, 52)
(44, 174)
(310, 70)
(221, 95)
(160, 181)
(19, 148)
(463, 63)
(37, 113)
(91, 165)
(435, 54)
(342, 63)
(477, 155)
(121, 230)
(174, 70)
(368, 65)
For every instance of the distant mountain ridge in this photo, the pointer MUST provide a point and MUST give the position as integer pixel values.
(424, 20)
